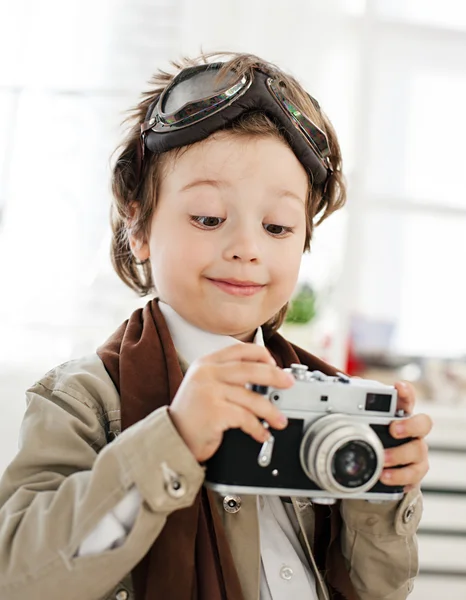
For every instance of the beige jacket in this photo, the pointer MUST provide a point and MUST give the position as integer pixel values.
(73, 467)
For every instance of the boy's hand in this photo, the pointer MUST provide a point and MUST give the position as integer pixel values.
(413, 454)
(213, 398)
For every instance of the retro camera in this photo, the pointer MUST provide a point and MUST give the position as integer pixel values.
(333, 446)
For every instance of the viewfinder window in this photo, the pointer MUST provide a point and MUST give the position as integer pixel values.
(378, 402)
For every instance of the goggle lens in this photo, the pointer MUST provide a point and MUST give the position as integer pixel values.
(197, 94)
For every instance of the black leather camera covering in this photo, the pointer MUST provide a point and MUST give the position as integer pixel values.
(235, 462)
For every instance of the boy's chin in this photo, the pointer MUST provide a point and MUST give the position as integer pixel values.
(233, 326)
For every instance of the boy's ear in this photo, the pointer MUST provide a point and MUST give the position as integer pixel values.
(139, 248)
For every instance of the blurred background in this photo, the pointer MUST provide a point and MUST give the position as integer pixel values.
(382, 293)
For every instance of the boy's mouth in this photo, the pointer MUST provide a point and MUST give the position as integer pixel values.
(236, 287)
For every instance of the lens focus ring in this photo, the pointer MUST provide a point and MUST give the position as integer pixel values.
(341, 455)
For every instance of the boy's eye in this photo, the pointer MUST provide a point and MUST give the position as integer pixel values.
(278, 230)
(208, 222)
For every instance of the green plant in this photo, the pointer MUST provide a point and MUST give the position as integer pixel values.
(302, 306)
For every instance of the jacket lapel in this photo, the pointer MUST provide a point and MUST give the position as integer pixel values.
(242, 533)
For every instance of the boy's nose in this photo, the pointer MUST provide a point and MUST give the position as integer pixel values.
(242, 247)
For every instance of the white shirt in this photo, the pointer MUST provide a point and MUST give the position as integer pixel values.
(285, 571)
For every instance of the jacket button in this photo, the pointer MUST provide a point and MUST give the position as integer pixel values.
(176, 489)
(408, 514)
(122, 595)
(173, 482)
(232, 504)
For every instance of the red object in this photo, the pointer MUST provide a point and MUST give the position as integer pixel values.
(354, 365)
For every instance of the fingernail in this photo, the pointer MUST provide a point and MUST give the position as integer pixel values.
(403, 385)
(399, 430)
(386, 475)
(283, 420)
(290, 377)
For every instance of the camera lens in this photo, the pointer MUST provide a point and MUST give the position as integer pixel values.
(342, 455)
(354, 464)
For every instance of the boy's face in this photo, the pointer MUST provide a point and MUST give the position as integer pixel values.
(228, 232)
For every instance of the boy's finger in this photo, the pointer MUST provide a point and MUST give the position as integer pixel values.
(256, 404)
(236, 373)
(239, 418)
(409, 475)
(406, 396)
(417, 426)
(240, 352)
(406, 454)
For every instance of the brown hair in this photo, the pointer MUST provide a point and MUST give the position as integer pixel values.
(132, 186)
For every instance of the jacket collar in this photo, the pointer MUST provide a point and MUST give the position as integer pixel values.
(191, 342)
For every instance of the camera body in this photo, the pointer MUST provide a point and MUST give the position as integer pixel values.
(332, 448)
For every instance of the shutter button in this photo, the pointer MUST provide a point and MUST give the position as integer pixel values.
(232, 504)
(122, 595)
(286, 573)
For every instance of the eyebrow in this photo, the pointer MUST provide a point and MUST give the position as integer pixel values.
(216, 183)
(200, 182)
(286, 193)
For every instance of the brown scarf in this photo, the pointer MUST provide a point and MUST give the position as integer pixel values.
(191, 559)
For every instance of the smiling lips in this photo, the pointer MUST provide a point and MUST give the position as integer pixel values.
(236, 287)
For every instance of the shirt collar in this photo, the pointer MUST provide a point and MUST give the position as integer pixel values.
(191, 342)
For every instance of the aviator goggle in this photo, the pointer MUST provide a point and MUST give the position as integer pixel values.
(199, 101)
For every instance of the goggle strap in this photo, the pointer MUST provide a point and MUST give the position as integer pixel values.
(140, 153)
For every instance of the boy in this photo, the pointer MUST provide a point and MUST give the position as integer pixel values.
(217, 190)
